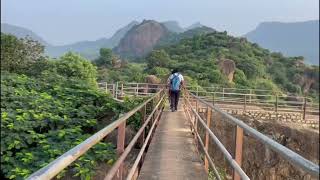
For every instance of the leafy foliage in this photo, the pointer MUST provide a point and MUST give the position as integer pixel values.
(198, 57)
(19, 55)
(74, 66)
(44, 117)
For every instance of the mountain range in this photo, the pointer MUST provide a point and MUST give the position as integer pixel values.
(88, 49)
(292, 39)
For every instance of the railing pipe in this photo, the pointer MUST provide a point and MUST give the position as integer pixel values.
(53, 168)
(294, 158)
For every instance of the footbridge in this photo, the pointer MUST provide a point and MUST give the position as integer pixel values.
(176, 145)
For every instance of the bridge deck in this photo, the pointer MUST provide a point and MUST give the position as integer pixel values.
(172, 153)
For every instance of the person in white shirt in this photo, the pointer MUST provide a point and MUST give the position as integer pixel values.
(174, 82)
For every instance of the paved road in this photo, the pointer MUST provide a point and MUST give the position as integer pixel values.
(172, 154)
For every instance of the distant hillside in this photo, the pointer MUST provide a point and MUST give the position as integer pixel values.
(88, 49)
(21, 32)
(292, 39)
(193, 26)
(173, 38)
(173, 26)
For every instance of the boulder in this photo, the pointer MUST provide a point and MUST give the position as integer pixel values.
(227, 67)
(152, 79)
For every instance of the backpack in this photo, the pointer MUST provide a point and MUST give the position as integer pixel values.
(175, 82)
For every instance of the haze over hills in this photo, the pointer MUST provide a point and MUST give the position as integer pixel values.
(291, 39)
(90, 49)
(21, 32)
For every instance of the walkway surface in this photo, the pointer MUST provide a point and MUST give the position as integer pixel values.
(172, 154)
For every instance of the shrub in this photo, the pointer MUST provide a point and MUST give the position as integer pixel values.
(74, 66)
(41, 118)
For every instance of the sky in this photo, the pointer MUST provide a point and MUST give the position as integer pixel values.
(66, 21)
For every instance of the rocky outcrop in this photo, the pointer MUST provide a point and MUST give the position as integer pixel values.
(309, 79)
(227, 67)
(141, 39)
(152, 79)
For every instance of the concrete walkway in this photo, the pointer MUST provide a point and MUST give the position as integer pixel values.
(172, 154)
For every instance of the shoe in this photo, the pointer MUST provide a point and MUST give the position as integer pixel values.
(172, 110)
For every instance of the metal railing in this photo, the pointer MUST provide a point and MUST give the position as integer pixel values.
(274, 103)
(246, 99)
(116, 171)
(118, 90)
(235, 161)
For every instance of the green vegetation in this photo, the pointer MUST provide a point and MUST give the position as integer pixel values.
(49, 110)
(198, 57)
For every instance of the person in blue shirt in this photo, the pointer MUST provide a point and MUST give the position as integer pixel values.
(174, 82)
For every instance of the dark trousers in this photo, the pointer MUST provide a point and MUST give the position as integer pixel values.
(174, 99)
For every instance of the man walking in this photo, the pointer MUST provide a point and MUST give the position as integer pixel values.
(175, 81)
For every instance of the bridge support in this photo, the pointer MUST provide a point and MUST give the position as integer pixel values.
(209, 116)
(238, 150)
(120, 147)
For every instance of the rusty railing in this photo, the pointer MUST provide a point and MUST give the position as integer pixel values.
(191, 108)
(116, 171)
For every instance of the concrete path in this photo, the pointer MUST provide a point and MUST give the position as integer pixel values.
(172, 154)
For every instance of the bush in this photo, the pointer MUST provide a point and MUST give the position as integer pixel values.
(72, 65)
(41, 118)
(18, 55)
(240, 79)
(158, 58)
(162, 73)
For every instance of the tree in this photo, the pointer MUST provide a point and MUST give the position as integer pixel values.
(74, 66)
(105, 58)
(240, 79)
(158, 58)
(18, 55)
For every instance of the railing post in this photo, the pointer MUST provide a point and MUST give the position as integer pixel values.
(238, 150)
(120, 147)
(197, 90)
(196, 123)
(304, 109)
(276, 108)
(250, 95)
(106, 87)
(117, 90)
(137, 91)
(147, 91)
(245, 103)
(143, 118)
(122, 94)
(114, 90)
(222, 94)
(213, 97)
(209, 116)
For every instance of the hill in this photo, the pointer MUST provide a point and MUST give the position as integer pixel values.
(292, 39)
(217, 58)
(88, 49)
(150, 34)
(141, 39)
(21, 32)
(173, 26)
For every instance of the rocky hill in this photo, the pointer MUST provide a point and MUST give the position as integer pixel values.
(291, 39)
(141, 39)
(218, 58)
